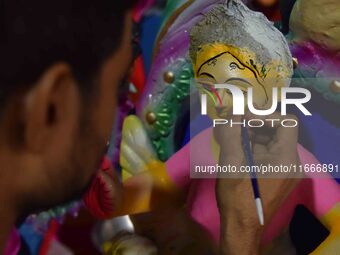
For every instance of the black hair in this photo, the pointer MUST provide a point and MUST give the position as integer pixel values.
(35, 34)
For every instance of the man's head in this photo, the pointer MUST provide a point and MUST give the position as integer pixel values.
(61, 66)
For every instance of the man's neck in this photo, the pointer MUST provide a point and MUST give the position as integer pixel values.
(8, 212)
(7, 219)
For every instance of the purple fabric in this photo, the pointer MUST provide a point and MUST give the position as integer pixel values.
(311, 56)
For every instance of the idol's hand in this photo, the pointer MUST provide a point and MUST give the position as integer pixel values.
(241, 231)
(136, 152)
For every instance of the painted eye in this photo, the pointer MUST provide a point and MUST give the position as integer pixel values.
(205, 85)
(233, 66)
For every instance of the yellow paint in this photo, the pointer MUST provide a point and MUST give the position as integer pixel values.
(157, 169)
(142, 193)
(211, 50)
(125, 175)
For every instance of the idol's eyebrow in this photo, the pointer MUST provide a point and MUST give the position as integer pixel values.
(208, 74)
(239, 79)
(217, 56)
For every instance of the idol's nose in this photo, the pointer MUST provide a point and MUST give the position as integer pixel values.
(222, 98)
(224, 102)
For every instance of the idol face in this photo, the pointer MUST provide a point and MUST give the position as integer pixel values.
(221, 64)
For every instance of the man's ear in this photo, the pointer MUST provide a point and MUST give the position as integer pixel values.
(51, 108)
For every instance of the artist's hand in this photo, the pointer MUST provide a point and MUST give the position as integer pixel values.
(241, 231)
(174, 232)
